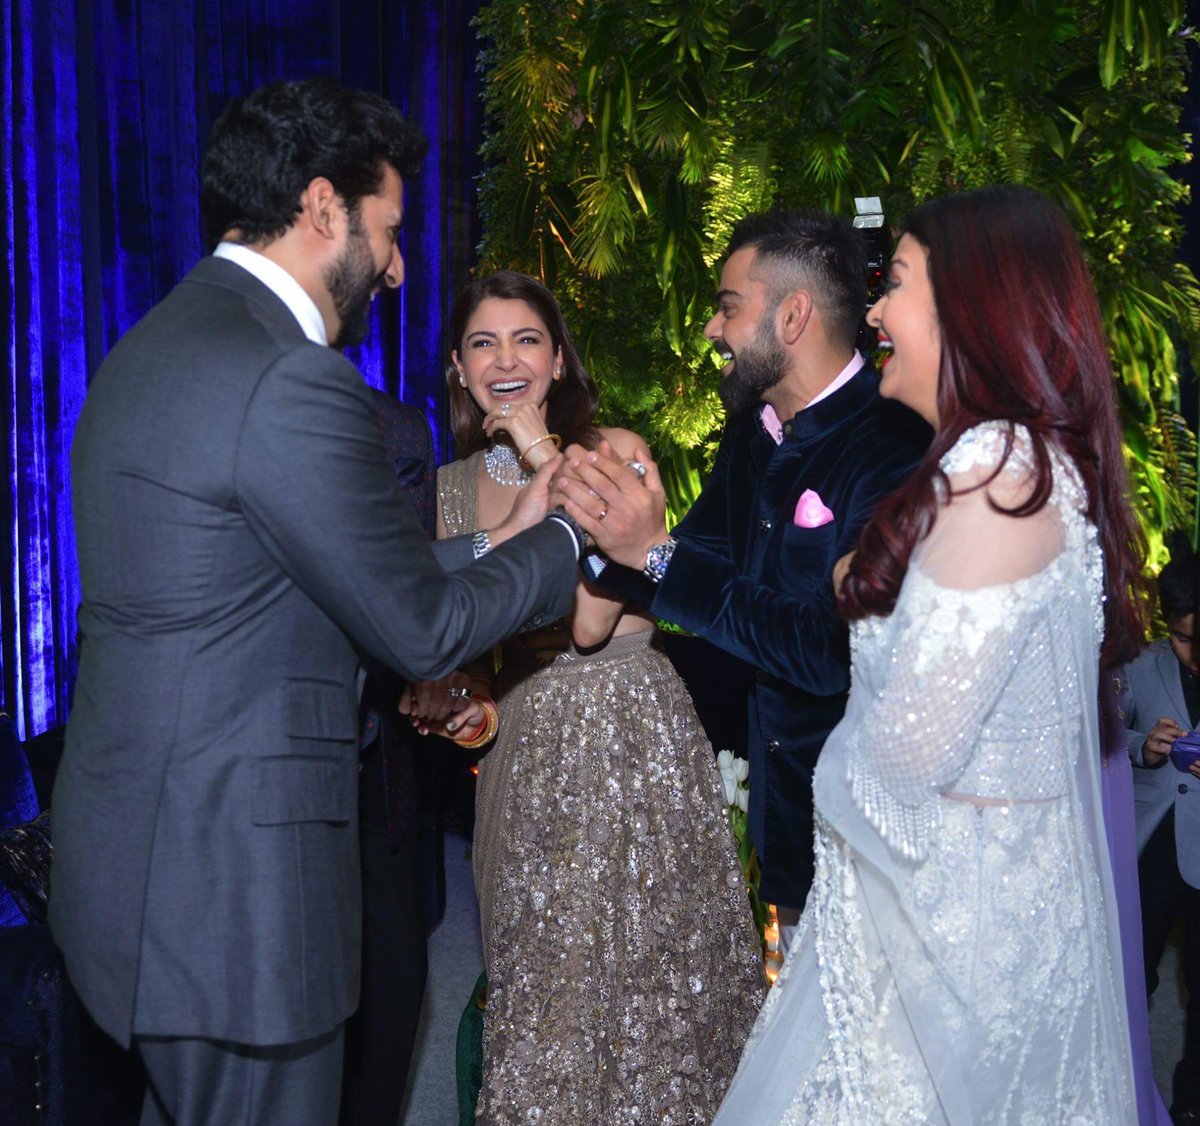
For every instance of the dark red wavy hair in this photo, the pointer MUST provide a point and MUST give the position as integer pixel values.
(1023, 342)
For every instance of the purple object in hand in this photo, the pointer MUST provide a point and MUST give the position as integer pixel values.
(1186, 750)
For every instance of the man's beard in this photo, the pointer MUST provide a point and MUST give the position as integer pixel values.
(352, 282)
(756, 369)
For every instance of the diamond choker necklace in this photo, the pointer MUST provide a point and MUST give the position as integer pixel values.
(504, 467)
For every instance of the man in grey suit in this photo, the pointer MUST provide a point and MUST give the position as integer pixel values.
(1161, 692)
(239, 530)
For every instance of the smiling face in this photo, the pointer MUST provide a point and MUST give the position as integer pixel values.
(507, 354)
(742, 330)
(370, 259)
(906, 318)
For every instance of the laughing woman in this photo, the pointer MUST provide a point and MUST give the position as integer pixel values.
(624, 971)
(959, 960)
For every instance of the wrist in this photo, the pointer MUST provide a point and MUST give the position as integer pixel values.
(560, 515)
(541, 450)
(502, 532)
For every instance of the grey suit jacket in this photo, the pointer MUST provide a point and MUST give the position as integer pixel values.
(1150, 690)
(238, 526)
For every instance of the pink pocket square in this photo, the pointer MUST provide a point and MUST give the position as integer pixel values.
(811, 511)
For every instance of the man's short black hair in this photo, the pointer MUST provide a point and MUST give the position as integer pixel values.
(267, 146)
(803, 248)
(1177, 584)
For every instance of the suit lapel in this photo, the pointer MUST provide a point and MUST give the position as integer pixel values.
(1168, 670)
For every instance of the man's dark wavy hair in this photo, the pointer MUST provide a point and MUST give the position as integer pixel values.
(1179, 580)
(267, 146)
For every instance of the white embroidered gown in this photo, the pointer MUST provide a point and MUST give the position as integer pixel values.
(955, 960)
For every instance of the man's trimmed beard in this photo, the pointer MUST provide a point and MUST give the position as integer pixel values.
(756, 368)
(352, 282)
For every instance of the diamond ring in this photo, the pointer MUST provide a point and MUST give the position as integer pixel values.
(637, 467)
(458, 693)
(504, 409)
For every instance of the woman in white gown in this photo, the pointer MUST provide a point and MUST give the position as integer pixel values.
(958, 959)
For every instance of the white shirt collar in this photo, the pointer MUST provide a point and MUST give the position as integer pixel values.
(280, 283)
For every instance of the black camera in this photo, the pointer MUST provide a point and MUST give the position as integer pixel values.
(877, 238)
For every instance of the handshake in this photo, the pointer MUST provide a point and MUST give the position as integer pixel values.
(618, 501)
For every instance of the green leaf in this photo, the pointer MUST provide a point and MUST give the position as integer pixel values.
(562, 202)
(1053, 138)
(635, 186)
(665, 257)
(751, 31)
(651, 58)
(692, 94)
(628, 99)
(604, 127)
(673, 319)
(1110, 48)
(762, 81)
(675, 205)
(600, 40)
(525, 214)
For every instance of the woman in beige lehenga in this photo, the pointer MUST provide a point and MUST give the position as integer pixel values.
(624, 972)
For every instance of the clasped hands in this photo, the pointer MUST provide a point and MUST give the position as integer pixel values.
(623, 512)
(441, 707)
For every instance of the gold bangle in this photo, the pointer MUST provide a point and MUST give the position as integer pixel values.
(486, 732)
(463, 739)
(538, 441)
(481, 740)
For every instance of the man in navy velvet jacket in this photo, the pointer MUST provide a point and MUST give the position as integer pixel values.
(808, 450)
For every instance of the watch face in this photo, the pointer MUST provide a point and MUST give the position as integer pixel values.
(657, 559)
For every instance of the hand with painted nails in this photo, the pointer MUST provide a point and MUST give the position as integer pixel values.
(623, 511)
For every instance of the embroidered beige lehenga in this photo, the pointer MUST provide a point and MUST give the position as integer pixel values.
(624, 972)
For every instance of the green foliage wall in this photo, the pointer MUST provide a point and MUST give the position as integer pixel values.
(627, 136)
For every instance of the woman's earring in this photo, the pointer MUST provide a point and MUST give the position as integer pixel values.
(462, 380)
(558, 371)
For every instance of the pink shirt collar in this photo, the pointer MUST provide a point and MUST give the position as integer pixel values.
(770, 420)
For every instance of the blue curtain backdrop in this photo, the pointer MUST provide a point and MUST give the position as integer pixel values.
(106, 106)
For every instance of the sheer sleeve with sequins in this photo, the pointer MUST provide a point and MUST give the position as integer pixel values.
(968, 608)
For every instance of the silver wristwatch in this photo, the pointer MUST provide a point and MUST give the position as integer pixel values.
(481, 544)
(657, 559)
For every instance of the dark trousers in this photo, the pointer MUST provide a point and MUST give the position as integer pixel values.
(381, 1034)
(196, 1082)
(1165, 895)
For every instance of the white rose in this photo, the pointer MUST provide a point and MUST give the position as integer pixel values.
(730, 784)
(743, 800)
(741, 769)
(725, 760)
